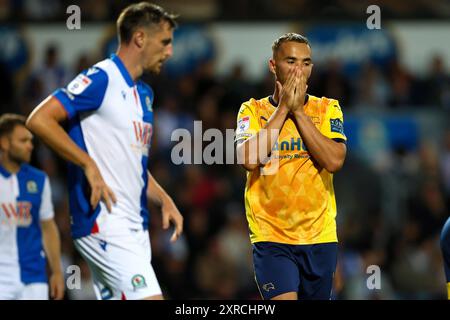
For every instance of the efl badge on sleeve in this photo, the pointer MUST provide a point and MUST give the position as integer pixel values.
(79, 84)
(243, 124)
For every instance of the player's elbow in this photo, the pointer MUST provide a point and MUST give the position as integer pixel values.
(32, 122)
(244, 159)
(249, 167)
(246, 163)
(334, 165)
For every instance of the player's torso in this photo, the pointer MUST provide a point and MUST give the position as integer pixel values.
(118, 136)
(21, 251)
(293, 193)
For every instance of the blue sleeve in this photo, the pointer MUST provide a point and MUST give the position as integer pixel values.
(84, 93)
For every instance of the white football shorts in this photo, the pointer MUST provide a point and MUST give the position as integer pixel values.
(120, 265)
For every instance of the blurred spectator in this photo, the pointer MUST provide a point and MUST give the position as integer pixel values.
(42, 9)
(437, 84)
(401, 83)
(372, 89)
(333, 83)
(217, 277)
(47, 78)
(5, 9)
(7, 91)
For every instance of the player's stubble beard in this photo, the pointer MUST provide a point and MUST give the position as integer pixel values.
(19, 157)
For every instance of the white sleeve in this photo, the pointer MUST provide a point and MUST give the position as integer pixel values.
(46, 210)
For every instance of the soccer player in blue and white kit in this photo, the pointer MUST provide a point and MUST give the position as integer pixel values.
(27, 227)
(109, 119)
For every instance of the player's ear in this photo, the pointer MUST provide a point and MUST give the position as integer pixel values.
(139, 38)
(272, 66)
(310, 70)
(4, 143)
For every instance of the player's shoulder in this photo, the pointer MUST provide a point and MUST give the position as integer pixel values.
(97, 72)
(30, 172)
(144, 88)
(325, 102)
(93, 79)
(252, 104)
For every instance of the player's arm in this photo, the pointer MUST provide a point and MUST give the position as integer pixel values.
(45, 122)
(328, 153)
(253, 151)
(52, 247)
(51, 242)
(169, 210)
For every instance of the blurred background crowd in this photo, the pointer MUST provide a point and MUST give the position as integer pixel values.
(106, 10)
(393, 194)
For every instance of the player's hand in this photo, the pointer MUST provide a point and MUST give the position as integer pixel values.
(99, 189)
(56, 284)
(170, 213)
(300, 92)
(287, 91)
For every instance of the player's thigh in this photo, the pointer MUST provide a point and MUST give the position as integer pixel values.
(318, 265)
(34, 291)
(120, 266)
(276, 272)
(286, 296)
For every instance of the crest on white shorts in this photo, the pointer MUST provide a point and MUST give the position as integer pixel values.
(138, 281)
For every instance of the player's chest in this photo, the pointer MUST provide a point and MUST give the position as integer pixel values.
(291, 127)
(18, 209)
(126, 110)
(289, 139)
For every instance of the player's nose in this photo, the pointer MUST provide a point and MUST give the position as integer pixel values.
(169, 51)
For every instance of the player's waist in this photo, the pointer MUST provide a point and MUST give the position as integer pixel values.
(299, 237)
(119, 219)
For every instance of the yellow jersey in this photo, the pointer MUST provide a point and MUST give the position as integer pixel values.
(295, 205)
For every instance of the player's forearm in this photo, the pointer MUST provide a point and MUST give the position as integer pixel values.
(46, 126)
(52, 245)
(329, 154)
(252, 152)
(155, 193)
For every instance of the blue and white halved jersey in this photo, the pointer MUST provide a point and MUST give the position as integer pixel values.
(25, 201)
(111, 118)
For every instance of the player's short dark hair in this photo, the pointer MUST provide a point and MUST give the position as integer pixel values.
(140, 15)
(9, 121)
(287, 38)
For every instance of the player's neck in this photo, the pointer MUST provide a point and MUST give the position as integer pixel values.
(275, 95)
(131, 63)
(9, 165)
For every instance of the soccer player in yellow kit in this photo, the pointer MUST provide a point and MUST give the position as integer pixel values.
(291, 210)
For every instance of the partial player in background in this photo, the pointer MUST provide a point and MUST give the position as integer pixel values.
(445, 247)
(27, 227)
(290, 201)
(109, 117)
